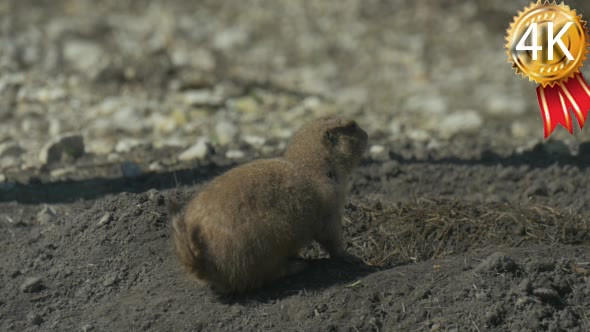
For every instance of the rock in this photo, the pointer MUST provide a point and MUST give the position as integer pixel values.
(69, 146)
(524, 287)
(202, 97)
(556, 148)
(171, 142)
(46, 215)
(83, 55)
(128, 144)
(395, 128)
(226, 132)
(418, 135)
(427, 104)
(34, 318)
(106, 218)
(546, 294)
(110, 279)
(235, 154)
(179, 117)
(255, 141)
(87, 328)
(55, 127)
(376, 150)
(267, 150)
(198, 151)
(32, 285)
(519, 130)
(50, 94)
(390, 168)
(156, 166)
(130, 169)
(114, 157)
(460, 122)
(29, 165)
(163, 124)
(153, 194)
(522, 301)
(433, 145)
(246, 105)
(506, 105)
(100, 146)
(229, 38)
(199, 58)
(10, 149)
(129, 119)
(60, 172)
(8, 162)
(497, 262)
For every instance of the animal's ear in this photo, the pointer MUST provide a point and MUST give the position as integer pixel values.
(350, 125)
(330, 137)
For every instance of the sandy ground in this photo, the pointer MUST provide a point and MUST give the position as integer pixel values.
(464, 218)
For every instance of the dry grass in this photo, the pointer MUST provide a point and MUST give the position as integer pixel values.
(426, 228)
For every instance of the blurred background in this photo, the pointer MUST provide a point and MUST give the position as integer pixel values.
(162, 83)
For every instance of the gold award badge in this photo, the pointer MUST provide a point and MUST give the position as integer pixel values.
(548, 43)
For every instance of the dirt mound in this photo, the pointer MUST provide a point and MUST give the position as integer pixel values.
(386, 235)
(111, 266)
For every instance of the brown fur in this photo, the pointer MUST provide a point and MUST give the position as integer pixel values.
(241, 230)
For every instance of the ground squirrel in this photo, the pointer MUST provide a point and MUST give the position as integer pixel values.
(246, 226)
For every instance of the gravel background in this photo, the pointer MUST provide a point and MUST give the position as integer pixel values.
(133, 76)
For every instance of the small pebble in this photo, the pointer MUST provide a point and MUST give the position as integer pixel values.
(198, 151)
(235, 154)
(226, 132)
(87, 327)
(376, 150)
(59, 172)
(546, 294)
(524, 301)
(126, 145)
(34, 318)
(460, 122)
(69, 146)
(155, 166)
(105, 219)
(255, 141)
(32, 285)
(110, 279)
(153, 194)
(10, 149)
(497, 262)
(46, 215)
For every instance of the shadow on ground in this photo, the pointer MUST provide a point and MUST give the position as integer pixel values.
(320, 274)
(37, 191)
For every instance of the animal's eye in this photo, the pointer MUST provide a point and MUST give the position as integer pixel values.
(331, 137)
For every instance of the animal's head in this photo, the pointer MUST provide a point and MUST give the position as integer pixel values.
(337, 141)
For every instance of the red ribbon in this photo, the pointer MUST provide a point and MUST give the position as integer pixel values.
(557, 101)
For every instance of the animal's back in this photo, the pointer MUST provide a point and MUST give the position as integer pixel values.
(250, 220)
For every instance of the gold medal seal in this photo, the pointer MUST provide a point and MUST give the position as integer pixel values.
(548, 43)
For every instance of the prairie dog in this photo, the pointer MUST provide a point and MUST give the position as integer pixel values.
(240, 231)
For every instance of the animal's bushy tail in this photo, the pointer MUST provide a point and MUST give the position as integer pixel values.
(184, 240)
